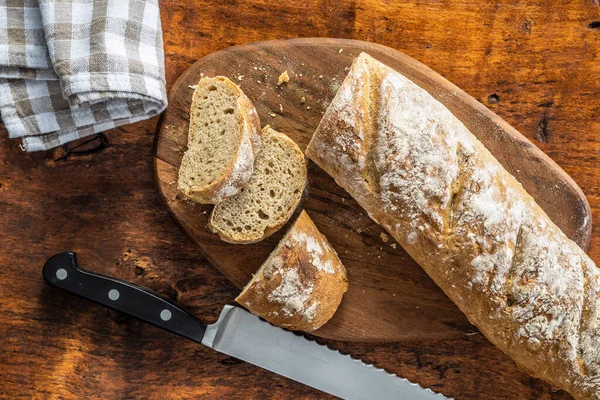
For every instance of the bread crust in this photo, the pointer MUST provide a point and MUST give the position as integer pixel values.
(239, 171)
(301, 284)
(423, 176)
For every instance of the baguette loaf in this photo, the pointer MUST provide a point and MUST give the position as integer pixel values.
(223, 139)
(301, 284)
(423, 176)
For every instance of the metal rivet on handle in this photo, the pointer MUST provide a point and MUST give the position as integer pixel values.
(165, 315)
(61, 274)
(113, 294)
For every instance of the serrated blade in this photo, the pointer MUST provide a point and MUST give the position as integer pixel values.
(242, 335)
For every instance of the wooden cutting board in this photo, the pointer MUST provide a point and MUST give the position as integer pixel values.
(390, 297)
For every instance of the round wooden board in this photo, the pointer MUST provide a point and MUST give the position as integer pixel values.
(390, 297)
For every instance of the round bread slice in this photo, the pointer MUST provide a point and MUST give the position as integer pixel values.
(301, 284)
(223, 138)
(269, 199)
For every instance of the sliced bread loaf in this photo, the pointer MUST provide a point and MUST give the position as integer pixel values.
(223, 139)
(301, 284)
(269, 199)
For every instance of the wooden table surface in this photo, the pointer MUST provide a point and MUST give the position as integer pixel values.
(535, 63)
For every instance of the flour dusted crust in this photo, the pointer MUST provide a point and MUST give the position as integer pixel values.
(301, 284)
(423, 176)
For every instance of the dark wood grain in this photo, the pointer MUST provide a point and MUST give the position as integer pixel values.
(539, 59)
(389, 298)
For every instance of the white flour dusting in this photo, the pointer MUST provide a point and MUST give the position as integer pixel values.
(292, 294)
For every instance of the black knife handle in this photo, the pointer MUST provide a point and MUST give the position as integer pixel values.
(63, 271)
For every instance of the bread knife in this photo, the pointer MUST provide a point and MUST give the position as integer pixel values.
(239, 334)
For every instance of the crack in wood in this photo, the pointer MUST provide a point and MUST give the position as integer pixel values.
(543, 133)
(526, 26)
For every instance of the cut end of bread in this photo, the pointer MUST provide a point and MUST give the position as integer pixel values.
(301, 284)
(222, 140)
(269, 199)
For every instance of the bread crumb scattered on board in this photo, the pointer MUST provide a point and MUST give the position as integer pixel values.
(340, 50)
(308, 107)
(272, 115)
(320, 76)
(393, 245)
(384, 237)
(193, 87)
(302, 100)
(283, 78)
(280, 108)
(240, 77)
(358, 230)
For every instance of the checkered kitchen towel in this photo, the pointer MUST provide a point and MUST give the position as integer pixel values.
(72, 68)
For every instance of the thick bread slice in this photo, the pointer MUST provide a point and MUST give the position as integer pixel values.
(223, 139)
(269, 199)
(423, 176)
(301, 284)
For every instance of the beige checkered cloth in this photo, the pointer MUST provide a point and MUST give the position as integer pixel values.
(72, 68)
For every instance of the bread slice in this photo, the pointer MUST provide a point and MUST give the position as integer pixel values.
(223, 139)
(269, 199)
(301, 284)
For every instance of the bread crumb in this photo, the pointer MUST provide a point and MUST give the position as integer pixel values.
(320, 76)
(358, 230)
(283, 78)
(308, 107)
(393, 245)
(258, 82)
(384, 237)
(204, 212)
(280, 108)
(347, 69)
(255, 68)
(202, 75)
(340, 50)
(379, 256)
(193, 87)
(302, 100)
(240, 77)
(272, 115)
